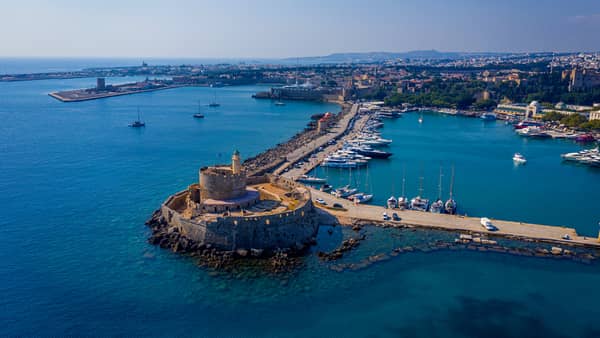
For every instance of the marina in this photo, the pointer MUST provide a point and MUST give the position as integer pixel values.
(419, 205)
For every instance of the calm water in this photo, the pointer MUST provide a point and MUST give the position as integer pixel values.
(487, 182)
(77, 185)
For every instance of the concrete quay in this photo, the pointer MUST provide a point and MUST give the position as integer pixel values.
(371, 213)
(83, 95)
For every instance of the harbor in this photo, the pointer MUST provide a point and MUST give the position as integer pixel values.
(348, 211)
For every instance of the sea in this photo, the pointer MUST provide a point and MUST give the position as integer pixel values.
(77, 185)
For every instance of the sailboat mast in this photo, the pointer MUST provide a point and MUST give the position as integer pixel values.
(452, 182)
(403, 181)
(421, 186)
(440, 185)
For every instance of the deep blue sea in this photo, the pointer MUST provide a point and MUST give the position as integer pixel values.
(77, 185)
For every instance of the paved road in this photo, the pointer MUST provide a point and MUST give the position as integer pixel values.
(452, 222)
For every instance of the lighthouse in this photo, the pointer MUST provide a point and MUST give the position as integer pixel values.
(236, 164)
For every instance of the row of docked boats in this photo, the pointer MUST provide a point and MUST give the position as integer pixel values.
(358, 151)
(589, 157)
(420, 203)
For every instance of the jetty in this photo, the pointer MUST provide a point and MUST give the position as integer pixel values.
(313, 153)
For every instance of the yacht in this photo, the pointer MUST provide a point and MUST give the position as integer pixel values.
(214, 102)
(373, 153)
(137, 123)
(533, 132)
(437, 207)
(311, 179)
(392, 203)
(344, 192)
(336, 163)
(360, 198)
(519, 159)
(419, 203)
(199, 114)
(402, 200)
(488, 116)
(450, 205)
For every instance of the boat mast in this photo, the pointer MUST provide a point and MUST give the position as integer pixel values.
(421, 186)
(138, 111)
(452, 182)
(403, 181)
(440, 185)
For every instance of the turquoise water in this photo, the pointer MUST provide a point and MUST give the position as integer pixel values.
(487, 182)
(77, 185)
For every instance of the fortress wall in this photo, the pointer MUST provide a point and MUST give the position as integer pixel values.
(263, 232)
(283, 230)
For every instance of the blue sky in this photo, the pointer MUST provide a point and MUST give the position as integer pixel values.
(286, 28)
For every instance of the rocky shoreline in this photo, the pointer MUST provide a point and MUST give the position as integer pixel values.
(169, 237)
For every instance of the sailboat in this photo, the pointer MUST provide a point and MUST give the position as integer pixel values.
(199, 114)
(137, 123)
(402, 200)
(437, 207)
(214, 103)
(419, 203)
(450, 205)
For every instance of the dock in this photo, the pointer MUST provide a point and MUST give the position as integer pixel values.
(352, 123)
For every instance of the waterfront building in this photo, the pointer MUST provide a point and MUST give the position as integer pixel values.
(594, 115)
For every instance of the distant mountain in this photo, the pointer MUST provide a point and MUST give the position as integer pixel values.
(384, 56)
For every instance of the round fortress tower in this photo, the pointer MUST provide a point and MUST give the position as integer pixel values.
(223, 183)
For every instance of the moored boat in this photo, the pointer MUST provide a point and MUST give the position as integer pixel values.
(519, 158)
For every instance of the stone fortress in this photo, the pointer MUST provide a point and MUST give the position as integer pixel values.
(230, 211)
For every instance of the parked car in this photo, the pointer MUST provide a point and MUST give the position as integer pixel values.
(386, 217)
(487, 224)
(395, 217)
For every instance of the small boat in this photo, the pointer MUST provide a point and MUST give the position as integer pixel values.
(214, 102)
(279, 103)
(326, 187)
(199, 114)
(392, 203)
(311, 179)
(360, 198)
(420, 204)
(137, 123)
(519, 158)
(437, 207)
(585, 138)
(450, 205)
(344, 192)
(488, 116)
(421, 119)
